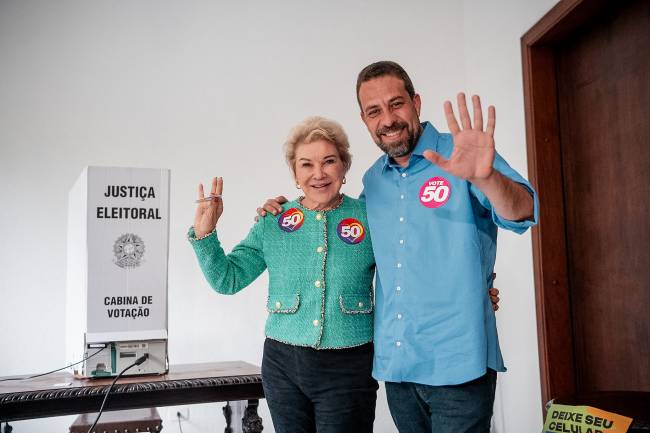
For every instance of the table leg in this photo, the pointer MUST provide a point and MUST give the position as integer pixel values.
(242, 417)
(227, 413)
(252, 422)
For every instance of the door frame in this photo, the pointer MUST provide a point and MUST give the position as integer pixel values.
(552, 294)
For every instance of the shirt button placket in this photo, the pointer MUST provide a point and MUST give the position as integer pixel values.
(401, 223)
(399, 331)
(401, 227)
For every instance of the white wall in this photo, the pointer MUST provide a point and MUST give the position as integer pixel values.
(207, 88)
(493, 69)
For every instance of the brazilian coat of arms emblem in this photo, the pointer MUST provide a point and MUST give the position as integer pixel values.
(128, 250)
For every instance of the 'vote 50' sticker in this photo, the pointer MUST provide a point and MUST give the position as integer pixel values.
(435, 192)
(351, 231)
(291, 220)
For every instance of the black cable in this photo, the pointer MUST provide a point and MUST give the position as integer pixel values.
(53, 371)
(138, 361)
(179, 416)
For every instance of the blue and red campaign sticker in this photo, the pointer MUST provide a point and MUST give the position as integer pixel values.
(351, 231)
(435, 192)
(291, 220)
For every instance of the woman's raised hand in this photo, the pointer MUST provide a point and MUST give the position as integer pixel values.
(208, 209)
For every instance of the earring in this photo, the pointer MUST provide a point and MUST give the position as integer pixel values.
(344, 181)
(298, 186)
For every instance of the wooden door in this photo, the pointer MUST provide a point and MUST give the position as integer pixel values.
(586, 76)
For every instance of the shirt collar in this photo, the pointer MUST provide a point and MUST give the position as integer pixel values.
(428, 140)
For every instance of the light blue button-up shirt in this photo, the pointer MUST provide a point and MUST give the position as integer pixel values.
(434, 239)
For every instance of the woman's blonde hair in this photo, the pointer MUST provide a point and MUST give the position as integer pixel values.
(318, 128)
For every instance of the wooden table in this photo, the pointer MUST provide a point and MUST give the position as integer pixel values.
(63, 394)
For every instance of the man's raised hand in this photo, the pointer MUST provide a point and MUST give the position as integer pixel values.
(473, 152)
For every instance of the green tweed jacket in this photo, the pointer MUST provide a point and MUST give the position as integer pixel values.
(320, 267)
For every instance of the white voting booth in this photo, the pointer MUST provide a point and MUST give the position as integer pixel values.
(118, 243)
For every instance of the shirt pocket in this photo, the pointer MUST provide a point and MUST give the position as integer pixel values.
(283, 304)
(355, 303)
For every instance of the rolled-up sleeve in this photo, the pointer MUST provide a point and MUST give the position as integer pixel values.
(515, 226)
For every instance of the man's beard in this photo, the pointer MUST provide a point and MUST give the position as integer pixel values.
(399, 148)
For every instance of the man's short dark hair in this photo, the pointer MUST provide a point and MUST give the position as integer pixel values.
(381, 68)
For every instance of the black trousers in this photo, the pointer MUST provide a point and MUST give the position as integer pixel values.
(323, 391)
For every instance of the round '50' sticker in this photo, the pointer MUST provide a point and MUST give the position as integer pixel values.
(351, 231)
(291, 220)
(435, 192)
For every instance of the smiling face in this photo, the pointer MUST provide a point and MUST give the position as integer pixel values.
(319, 171)
(391, 115)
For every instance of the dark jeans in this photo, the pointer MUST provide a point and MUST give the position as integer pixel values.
(464, 408)
(324, 391)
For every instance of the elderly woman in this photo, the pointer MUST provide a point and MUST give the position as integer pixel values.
(317, 362)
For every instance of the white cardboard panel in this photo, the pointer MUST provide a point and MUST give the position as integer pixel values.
(118, 238)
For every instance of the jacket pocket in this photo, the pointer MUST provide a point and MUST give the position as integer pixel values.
(283, 304)
(355, 303)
